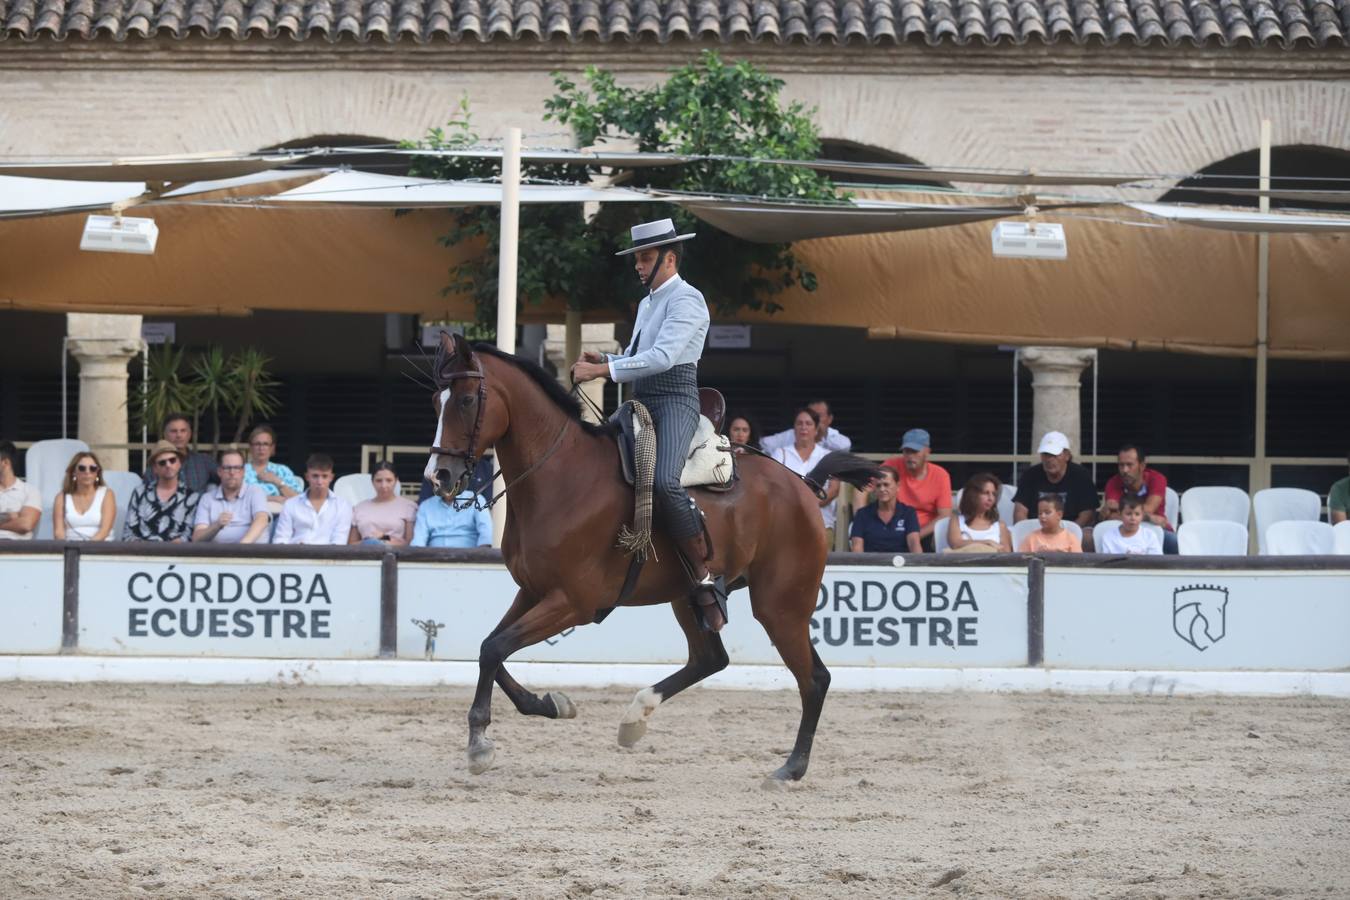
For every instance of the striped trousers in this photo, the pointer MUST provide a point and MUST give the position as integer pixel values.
(672, 399)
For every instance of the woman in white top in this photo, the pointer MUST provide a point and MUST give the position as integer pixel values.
(976, 528)
(803, 456)
(85, 508)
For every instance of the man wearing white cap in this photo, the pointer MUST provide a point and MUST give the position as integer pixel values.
(661, 363)
(1057, 474)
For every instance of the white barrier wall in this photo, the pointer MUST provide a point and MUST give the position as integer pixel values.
(31, 599)
(1202, 619)
(865, 616)
(319, 609)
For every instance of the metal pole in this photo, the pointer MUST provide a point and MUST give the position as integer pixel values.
(1261, 475)
(65, 416)
(145, 387)
(1096, 361)
(1017, 351)
(506, 278)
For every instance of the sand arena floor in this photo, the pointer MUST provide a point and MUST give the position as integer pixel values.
(169, 791)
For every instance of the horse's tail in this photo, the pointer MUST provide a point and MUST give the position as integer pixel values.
(844, 466)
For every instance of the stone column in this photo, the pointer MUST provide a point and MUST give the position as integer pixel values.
(596, 336)
(103, 345)
(1056, 373)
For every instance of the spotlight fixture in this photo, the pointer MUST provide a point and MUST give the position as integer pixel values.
(119, 234)
(1030, 240)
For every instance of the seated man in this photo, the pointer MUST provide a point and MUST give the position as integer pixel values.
(1338, 501)
(923, 485)
(198, 469)
(1135, 478)
(440, 524)
(232, 512)
(318, 516)
(886, 526)
(827, 437)
(1059, 476)
(164, 509)
(20, 503)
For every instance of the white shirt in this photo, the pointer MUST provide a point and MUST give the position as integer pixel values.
(14, 498)
(1144, 541)
(789, 457)
(301, 523)
(833, 441)
(991, 533)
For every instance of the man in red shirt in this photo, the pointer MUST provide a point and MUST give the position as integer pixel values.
(1136, 478)
(923, 485)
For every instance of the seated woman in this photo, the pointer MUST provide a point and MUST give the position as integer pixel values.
(742, 431)
(85, 508)
(276, 479)
(386, 518)
(886, 526)
(803, 456)
(976, 527)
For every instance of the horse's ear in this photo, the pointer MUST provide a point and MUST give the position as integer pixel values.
(454, 355)
(463, 349)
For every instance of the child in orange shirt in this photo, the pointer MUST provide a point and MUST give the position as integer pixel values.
(1053, 537)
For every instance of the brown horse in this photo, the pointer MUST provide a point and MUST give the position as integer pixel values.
(567, 501)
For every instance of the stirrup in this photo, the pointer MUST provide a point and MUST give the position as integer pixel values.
(715, 588)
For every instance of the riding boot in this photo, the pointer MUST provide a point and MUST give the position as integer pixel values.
(709, 603)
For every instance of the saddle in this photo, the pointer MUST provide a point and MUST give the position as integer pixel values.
(709, 464)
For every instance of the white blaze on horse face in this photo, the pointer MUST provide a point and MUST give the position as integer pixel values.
(430, 471)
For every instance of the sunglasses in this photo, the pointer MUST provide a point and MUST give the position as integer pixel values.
(167, 461)
(86, 468)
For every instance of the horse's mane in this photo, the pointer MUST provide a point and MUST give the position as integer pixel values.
(546, 383)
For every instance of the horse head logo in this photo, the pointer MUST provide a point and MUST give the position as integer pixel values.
(1200, 614)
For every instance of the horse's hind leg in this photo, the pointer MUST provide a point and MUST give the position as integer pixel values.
(706, 657)
(548, 617)
(553, 705)
(790, 633)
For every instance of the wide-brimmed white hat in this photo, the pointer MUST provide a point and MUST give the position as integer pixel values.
(654, 234)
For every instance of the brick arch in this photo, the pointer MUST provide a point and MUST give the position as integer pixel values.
(1217, 127)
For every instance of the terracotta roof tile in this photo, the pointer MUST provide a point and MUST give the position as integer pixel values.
(1168, 23)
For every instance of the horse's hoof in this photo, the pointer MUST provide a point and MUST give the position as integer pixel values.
(480, 758)
(631, 732)
(781, 778)
(565, 707)
(774, 783)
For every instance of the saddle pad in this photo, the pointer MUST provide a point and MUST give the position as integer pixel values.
(709, 461)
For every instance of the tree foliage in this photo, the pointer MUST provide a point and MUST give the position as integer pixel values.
(706, 108)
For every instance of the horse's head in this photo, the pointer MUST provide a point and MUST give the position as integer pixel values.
(464, 425)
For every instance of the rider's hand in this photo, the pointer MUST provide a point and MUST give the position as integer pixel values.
(593, 356)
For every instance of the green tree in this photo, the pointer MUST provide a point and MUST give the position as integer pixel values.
(707, 108)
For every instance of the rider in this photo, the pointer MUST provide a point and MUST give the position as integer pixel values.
(661, 362)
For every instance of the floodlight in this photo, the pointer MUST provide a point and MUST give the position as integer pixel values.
(1030, 240)
(118, 234)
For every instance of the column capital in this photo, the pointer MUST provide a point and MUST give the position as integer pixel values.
(1062, 360)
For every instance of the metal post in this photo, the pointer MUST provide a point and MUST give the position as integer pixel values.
(1261, 475)
(65, 357)
(506, 278)
(145, 388)
(1017, 352)
(1096, 362)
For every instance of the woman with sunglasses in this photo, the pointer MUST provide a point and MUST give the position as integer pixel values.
(85, 508)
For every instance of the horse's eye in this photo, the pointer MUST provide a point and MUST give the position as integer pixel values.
(467, 400)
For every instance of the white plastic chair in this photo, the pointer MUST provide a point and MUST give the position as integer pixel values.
(1299, 537)
(940, 538)
(44, 467)
(1027, 526)
(1173, 511)
(355, 488)
(1111, 525)
(122, 484)
(1283, 505)
(1340, 538)
(1217, 538)
(1216, 504)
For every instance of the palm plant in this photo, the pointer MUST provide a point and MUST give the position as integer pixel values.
(215, 384)
(164, 390)
(253, 389)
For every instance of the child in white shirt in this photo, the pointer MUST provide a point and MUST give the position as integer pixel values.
(1130, 537)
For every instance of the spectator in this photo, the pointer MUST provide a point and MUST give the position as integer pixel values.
(886, 526)
(742, 430)
(803, 455)
(1132, 537)
(318, 516)
(164, 509)
(1058, 475)
(1135, 478)
(976, 528)
(1338, 501)
(199, 469)
(20, 503)
(924, 485)
(826, 436)
(387, 518)
(233, 512)
(275, 479)
(441, 524)
(1052, 537)
(84, 487)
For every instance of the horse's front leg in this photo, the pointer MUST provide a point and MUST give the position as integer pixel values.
(548, 617)
(554, 704)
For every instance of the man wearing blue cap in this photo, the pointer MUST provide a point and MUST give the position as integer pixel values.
(924, 485)
(661, 363)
